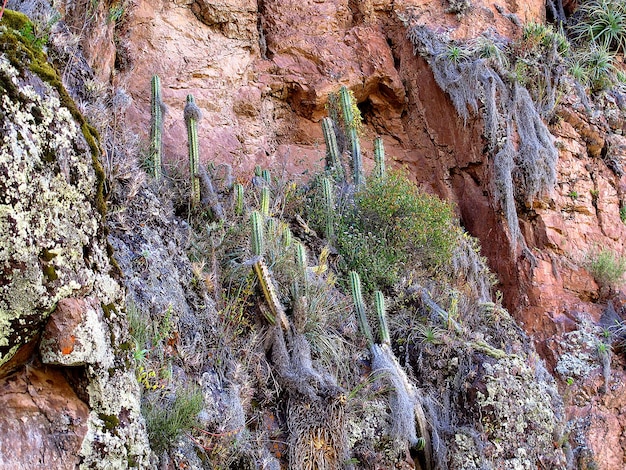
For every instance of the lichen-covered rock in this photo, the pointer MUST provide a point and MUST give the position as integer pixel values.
(75, 335)
(48, 190)
(53, 247)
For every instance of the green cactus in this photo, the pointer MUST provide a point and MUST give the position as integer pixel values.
(257, 170)
(277, 312)
(333, 160)
(302, 264)
(352, 121)
(266, 175)
(329, 203)
(156, 128)
(287, 237)
(379, 303)
(256, 222)
(379, 158)
(265, 201)
(355, 287)
(239, 199)
(192, 116)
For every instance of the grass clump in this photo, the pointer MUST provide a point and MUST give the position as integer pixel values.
(394, 226)
(607, 267)
(170, 416)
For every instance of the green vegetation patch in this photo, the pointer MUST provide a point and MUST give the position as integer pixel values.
(394, 226)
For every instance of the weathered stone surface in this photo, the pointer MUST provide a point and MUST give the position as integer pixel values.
(75, 335)
(54, 247)
(47, 205)
(42, 423)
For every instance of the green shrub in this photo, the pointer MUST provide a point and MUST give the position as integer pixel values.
(606, 267)
(393, 226)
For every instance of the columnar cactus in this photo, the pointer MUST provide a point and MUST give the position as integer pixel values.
(379, 158)
(329, 209)
(351, 121)
(256, 222)
(156, 127)
(265, 201)
(333, 160)
(266, 175)
(302, 262)
(287, 237)
(355, 287)
(277, 312)
(379, 303)
(239, 199)
(192, 116)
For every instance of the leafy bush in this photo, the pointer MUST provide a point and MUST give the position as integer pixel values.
(606, 267)
(393, 226)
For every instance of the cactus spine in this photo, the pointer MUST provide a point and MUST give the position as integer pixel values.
(192, 116)
(329, 204)
(379, 303)
(333, 160)
(351, 123)
(265, 201)
(379, 158)
(156, 128)
(239, 199)
(355, 287)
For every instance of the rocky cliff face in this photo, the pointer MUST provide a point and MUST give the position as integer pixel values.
(261, 72)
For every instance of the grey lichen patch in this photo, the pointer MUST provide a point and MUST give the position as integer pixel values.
(518, 407)
(116, 433)
(579, 358)
(44, 207)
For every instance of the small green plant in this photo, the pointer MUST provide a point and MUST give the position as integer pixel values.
(622, 213)
(456, 54)
(116, 12)
(606, 267)
(573, 195)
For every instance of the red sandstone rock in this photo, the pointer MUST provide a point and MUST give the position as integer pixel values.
(42, 423)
